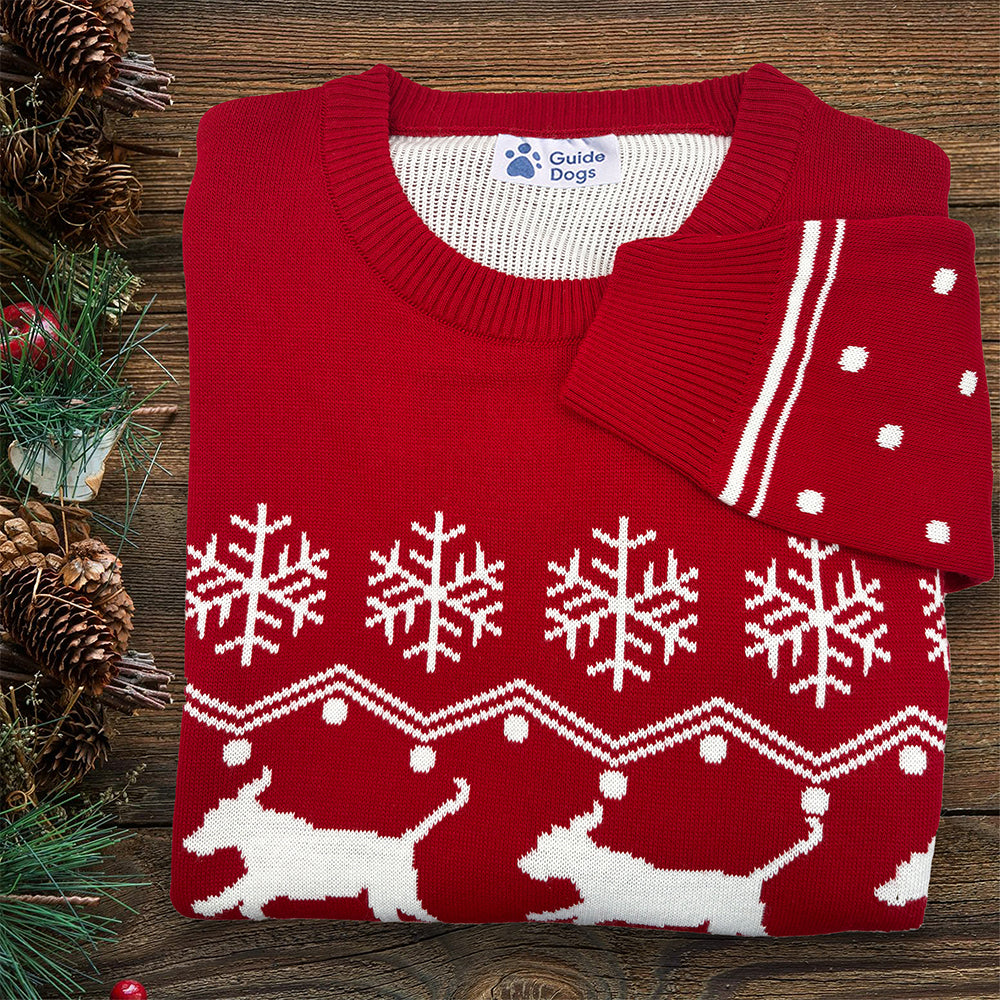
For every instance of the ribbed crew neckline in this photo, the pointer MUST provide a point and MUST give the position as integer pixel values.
(762, 109)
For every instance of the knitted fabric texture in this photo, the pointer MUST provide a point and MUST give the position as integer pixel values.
(576, 481)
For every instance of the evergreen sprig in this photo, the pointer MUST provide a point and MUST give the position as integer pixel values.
(27, 251)
(51, 879)
(81, 394)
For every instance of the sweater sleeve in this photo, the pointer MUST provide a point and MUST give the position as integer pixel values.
(825, 376)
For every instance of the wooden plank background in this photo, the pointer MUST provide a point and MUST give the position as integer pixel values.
(928, 68)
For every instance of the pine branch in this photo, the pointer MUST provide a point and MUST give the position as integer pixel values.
(30, 252)
(50, 881)
(78, 403)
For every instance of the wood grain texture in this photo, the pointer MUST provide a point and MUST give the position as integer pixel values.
(951, 956)
(922, 67)
(927, 68)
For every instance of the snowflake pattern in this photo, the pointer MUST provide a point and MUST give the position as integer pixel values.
(217, 583)
(655, 606)
(937, 633)
(849, 618)
(402, 590)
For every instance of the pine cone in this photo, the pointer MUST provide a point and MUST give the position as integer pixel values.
(27, 174)
(82, 125)
(36, 174)
(70, 522)
(117, 15)
(77, 746)
(48, 155)
(58, 628)
(103, 210)
(67, 38)
(24, 543)
(93, 568)
(31, 534)
(117, 609)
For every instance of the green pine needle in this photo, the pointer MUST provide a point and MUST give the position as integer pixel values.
(55, 849)
(82, 392)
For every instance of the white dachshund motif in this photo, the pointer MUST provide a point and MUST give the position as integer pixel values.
(615, 885)
(286, 855)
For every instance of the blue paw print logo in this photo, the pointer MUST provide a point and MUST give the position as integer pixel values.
(522, 166)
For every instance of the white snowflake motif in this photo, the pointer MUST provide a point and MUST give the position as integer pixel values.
(218, 584)
(796, 616)
(647, 607)
(401, 589)
(937, 633)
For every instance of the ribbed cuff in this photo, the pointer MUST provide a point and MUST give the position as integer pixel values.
(667, 360)
(825, 376)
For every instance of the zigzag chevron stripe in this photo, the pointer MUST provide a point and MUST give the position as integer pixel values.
(715, 714)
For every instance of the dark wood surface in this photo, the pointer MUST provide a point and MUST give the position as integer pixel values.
(928, 68)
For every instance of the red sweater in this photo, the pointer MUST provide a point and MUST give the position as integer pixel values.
(576, 477)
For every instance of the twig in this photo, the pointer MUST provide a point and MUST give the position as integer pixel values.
(167, 409)
(62, 719)
(144, 150)
(55, 900)
(138, 683)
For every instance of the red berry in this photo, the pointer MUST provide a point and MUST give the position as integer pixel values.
(22, 316)
(128, 989)
(36, 329)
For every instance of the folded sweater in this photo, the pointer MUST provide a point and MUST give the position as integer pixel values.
(576, 481)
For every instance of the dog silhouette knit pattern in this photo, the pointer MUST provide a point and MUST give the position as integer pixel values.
(586, 556)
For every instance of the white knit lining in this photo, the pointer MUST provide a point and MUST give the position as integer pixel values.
(547, 232)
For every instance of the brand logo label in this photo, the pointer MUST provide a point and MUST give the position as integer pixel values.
(548, 162)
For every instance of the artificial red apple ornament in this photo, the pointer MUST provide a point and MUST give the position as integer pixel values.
(128, 989)
(32, 330)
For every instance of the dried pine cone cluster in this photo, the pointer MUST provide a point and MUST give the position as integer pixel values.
(62, 62)
(79, 43)
(84, 46)
(58, 538)
(57, 167)
(65, 625)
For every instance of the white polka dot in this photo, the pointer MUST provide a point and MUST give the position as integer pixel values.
(912, 759)
(236, 752)
(613, 784)
(944, 280)
(938, 532)
(335, 711)
(968, 383)
(853, 358)
(515, 728)
(815, 801)
(422, 758)
(890, 436)
(810, 502)
(713, 748)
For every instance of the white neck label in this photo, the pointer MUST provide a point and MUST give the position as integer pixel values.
(582, 162)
